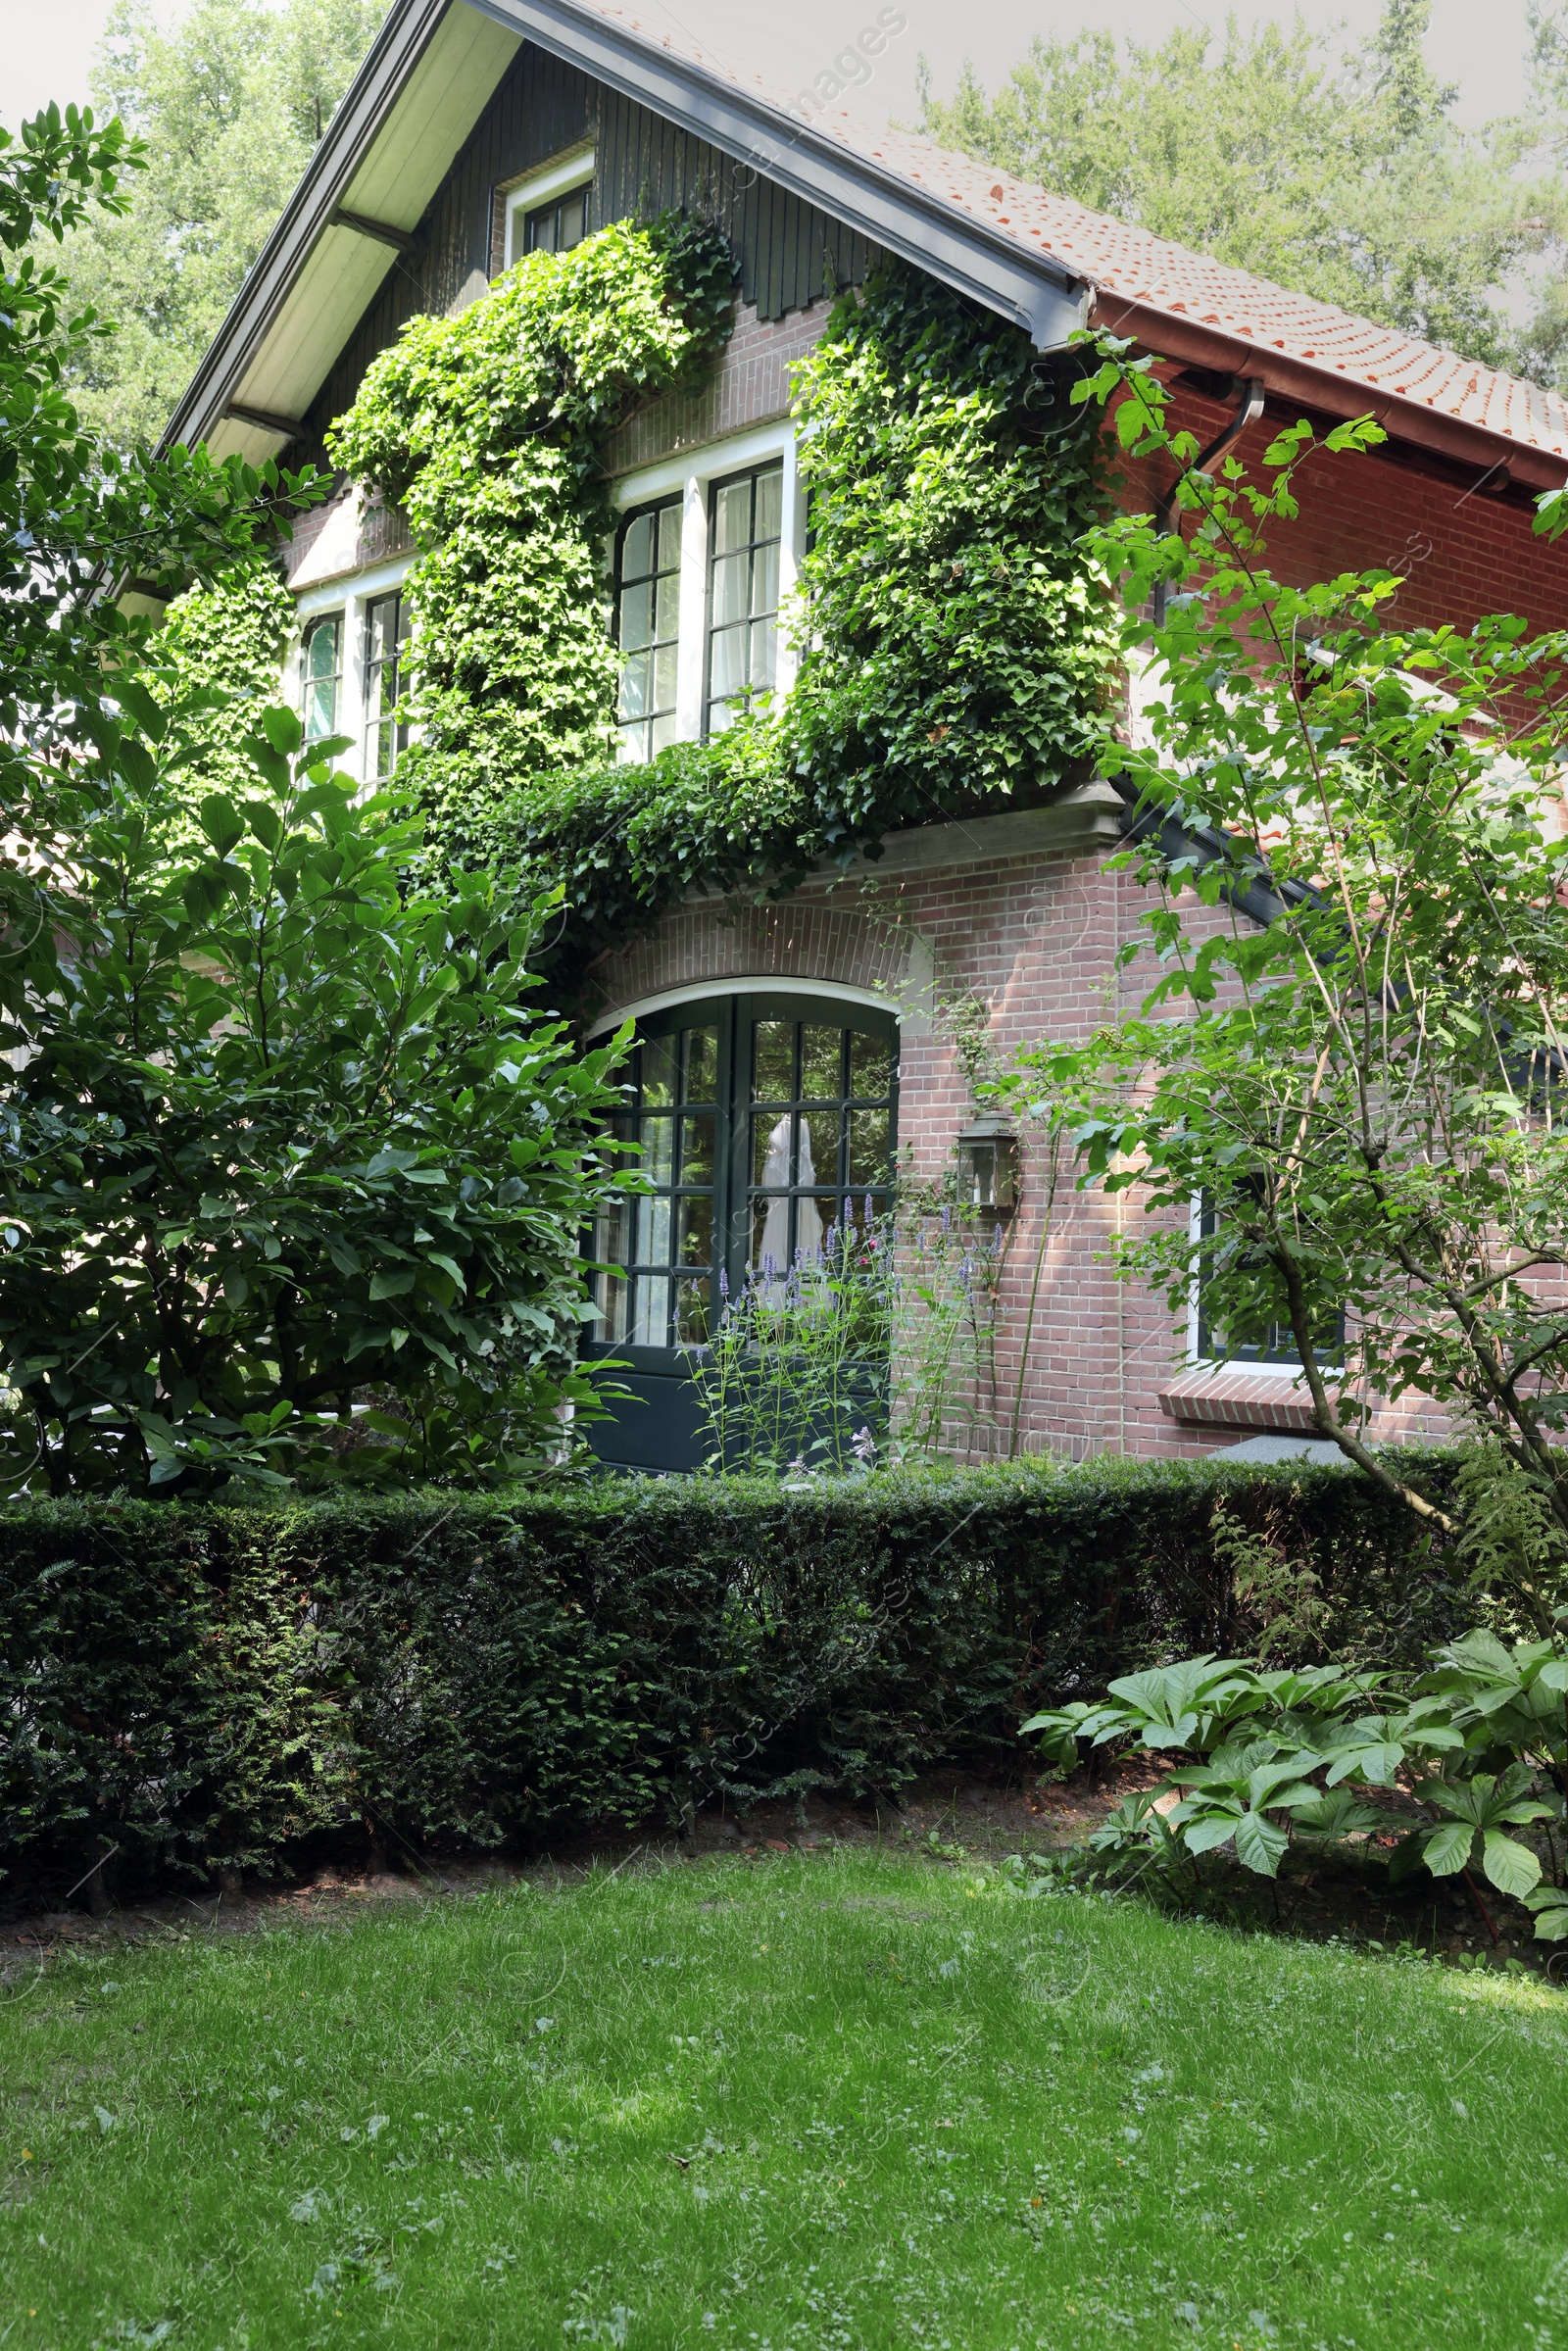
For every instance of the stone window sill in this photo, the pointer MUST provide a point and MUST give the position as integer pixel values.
(1238, 1397)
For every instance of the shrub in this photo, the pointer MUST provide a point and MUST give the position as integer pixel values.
(210, 1684)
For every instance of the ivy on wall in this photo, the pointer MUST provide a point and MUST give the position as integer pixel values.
(957, 639)
(231, 634)
(486, 428)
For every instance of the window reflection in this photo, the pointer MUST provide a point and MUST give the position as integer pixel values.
(648, 627)
(745, 518)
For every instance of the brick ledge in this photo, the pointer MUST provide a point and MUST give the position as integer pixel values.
(1238, 1399)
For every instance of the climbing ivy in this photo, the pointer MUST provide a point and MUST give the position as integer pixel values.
(487, 429)
(956, 638)
(230, 634)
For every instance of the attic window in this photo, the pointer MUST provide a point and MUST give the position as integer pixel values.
(551, 210)
(556, 228)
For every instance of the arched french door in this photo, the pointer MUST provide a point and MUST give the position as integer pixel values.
(757, 1117)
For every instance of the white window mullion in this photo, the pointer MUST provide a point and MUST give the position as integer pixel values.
(691, 664)
(791, 554)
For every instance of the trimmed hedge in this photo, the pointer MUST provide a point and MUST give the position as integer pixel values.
(210, 1685)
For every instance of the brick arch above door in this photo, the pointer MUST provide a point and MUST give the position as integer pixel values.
(802, 939)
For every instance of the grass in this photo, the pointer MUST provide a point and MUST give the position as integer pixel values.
(816, 2102)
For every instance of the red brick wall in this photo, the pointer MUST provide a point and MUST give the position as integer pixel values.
(1465, 551)
(1037, 938)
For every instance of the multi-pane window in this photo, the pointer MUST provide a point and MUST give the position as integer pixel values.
(659, 1243)
(822, 1136)
(556, 226)
(758, 1121)
(647, 626)
(321, 664)
(1271, 1342)
(387, 628)
(746, 516)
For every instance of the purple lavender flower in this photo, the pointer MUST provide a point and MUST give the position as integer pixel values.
(723, 1283)
(769, 1269)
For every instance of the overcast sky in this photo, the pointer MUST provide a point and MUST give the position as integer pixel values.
(47, 45)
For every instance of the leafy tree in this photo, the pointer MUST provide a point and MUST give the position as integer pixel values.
(281, 1132)
(1364, 1086)
(230, 103)
(76, 518)
(1355, 186)
(271, 1130)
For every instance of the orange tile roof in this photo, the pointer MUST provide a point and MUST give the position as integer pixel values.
(1127, 265)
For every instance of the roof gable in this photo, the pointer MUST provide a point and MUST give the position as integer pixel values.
(1042, 260)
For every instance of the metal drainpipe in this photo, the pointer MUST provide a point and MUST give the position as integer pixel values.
(1166, 518)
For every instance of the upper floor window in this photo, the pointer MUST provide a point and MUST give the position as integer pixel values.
(557, 226)
(745, 516)
(647, 626)
(387, 628)
(321, 665)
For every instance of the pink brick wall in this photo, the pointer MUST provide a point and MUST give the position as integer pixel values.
(1036, 936)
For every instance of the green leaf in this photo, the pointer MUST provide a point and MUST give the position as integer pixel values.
(265, 822)
(1550, 1906)
(220, 823)
(1210, 1830)
(284, 729)
(395, 1283)
(1512, 1868)
(1447, 1849)
(140, 707)
(1259, 1844)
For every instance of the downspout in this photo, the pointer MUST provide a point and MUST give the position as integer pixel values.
(1166, 518)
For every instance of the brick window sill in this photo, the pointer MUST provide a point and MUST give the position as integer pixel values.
(1238, 1399)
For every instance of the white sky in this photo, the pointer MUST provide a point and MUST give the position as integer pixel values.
(46, 46)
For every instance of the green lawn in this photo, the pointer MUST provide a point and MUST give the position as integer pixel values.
(816, 2102)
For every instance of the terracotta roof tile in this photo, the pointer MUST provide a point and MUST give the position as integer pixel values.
(1127, 263)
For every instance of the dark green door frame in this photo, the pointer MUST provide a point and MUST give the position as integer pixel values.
(720, 1169)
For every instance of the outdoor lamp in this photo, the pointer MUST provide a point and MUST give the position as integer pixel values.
(987, 1164)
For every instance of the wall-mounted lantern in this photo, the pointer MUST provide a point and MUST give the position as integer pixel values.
(987, 1164)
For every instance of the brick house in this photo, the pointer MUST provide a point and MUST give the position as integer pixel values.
(473, 134)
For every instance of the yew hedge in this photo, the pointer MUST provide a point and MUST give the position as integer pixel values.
(205, 1686)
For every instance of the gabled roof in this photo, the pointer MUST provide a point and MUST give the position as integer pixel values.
(1188, 307)
(1039, 259)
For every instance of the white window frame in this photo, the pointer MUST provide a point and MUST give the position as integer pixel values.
(348, 595)
(559, 178)
(1292, 1374)
(692, 473)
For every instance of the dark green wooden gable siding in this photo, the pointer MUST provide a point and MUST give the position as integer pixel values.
(789, 252)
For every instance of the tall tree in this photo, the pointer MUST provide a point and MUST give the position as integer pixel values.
(230, 103)
(1351, 183)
